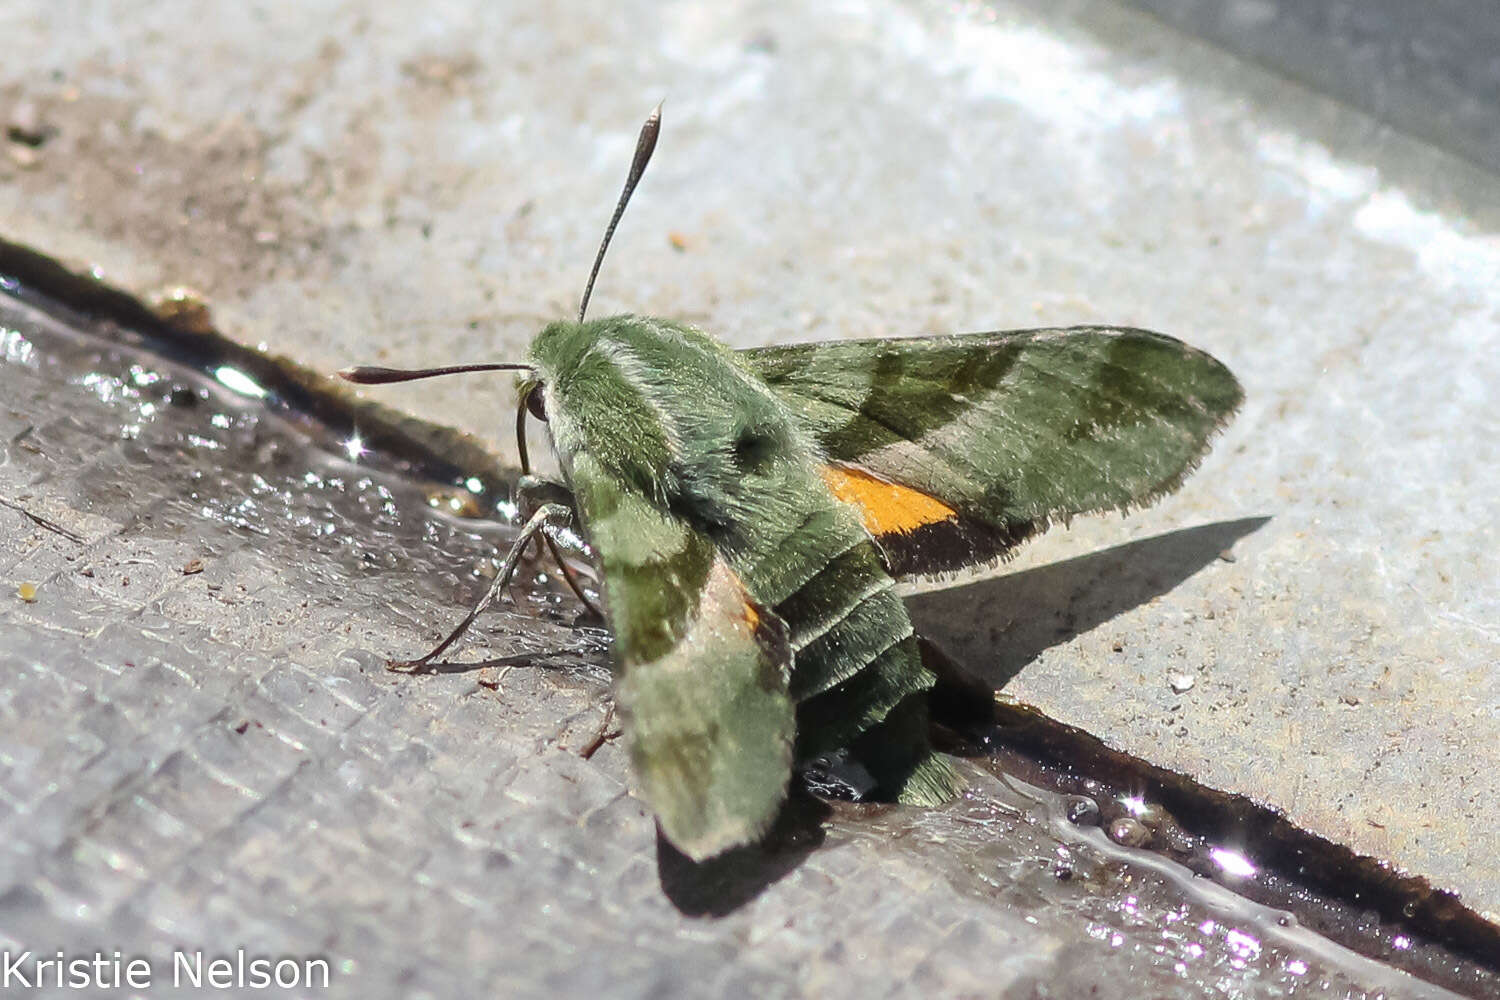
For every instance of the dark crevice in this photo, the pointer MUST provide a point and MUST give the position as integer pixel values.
(1360, 902)
(307, 399)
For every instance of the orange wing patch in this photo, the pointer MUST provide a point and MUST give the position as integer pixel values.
(887, 508)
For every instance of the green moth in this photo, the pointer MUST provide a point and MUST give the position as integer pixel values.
(752, 511)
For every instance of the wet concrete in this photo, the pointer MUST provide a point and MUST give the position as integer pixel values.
(414, 190)
(166, 733)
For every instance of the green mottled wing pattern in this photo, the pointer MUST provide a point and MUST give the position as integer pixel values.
(756, 628)
(703, 670)
(1012, 430)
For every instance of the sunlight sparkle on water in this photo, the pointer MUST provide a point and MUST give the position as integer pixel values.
(1232, 862)
(1242, 944)
(238, 381)
(354, 447)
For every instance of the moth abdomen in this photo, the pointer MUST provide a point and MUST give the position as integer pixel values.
(869, 628)
(898, 749)
(837, 716)
(857, 676)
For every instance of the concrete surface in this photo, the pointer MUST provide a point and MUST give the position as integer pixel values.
(346, 184)
(201, 754)
(1428, 68)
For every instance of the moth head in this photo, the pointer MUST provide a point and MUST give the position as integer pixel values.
(533, 391)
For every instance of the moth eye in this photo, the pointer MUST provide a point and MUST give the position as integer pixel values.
(536, 405)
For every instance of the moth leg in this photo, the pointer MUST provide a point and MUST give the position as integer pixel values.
(602, 735)
(548, 515)
(531, 493)
(534, 492)
(572, 580)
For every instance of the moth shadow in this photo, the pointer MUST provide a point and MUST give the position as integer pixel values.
(996, 627)
(721, 885)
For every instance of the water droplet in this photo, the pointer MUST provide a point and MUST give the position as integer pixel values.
(1082, 811)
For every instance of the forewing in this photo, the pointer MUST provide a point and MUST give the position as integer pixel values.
(956, 448)
(702, 670)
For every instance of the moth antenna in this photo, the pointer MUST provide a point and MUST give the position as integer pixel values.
(372, 375)
(645, 145)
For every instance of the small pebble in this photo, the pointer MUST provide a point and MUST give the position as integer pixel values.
(24, 156)
(192, 566)
(1181, 683)
(27, 127)
(186, 310)
(1152, 816)
(1130, 832)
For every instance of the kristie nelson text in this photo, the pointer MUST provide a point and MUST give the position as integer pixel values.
(184, 969)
